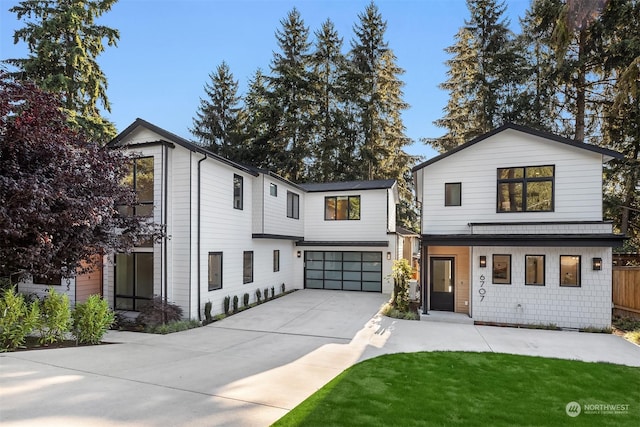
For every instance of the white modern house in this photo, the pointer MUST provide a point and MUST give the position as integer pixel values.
(512, 230)
(232, 229)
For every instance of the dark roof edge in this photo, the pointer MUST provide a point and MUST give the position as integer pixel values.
(524, 129)
(382, 243)
(178, 140)
(383, 184)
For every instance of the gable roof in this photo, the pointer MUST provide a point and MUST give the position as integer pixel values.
(608, 154)
(118, 141)
(349, 185)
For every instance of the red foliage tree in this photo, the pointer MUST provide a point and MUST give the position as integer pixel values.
(58, 192)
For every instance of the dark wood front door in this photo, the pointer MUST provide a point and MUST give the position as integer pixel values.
(442, 283)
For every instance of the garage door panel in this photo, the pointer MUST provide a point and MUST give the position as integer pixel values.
(348, 270)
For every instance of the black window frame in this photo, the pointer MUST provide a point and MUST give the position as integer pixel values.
(579, 272)
(501, 281)
(524, 180)
(247, 279)
(544, 270)
(136, 299)
(348, 216)
(276, 260)
(273, 189)
(238, 186)
(142, 208)
(212, 285)
(447, 202)
(293, 205)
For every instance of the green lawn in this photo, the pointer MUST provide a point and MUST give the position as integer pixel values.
(471, 389)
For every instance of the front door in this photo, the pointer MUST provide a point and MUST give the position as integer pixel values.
(442, 283)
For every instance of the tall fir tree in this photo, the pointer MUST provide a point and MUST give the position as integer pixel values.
(64, 42)
(333, 138)
(483, 78)
(376, 89)
(217, 122)
(290, 95)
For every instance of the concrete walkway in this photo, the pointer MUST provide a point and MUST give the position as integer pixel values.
(251, 368)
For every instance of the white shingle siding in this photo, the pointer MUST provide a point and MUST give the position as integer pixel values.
(571, 307)
(577, 187)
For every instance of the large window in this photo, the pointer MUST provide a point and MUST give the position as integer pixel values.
(534, 270)
(276, 260)
(453, 194)
(569, 270)
(247, 267)
(342, 208)
(215, 270)
(293, 205)
(237, 192)
(134, 280)
(526, 189)
(140, 178)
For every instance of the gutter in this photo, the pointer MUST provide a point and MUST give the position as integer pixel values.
(199, 228)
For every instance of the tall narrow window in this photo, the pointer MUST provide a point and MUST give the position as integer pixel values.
(237, 192)
(453, 194)
(342, 208)
(526, 189)
(140, 178)
(501, 269)
(215, 270)
(293, 205)
(534, 270)
(273, 189)
(276, 260)
(133, 280)
(247, 267)
(570, 270)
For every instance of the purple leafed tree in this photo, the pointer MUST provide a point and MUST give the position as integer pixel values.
(59, 193)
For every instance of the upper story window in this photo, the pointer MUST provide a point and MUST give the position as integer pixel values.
(140, 178)
(273, 189)
(293, 205)
(526, 189)
(237, 192)
(342, 208)
(453, 194)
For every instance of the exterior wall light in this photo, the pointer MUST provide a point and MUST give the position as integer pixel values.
(597, 264)
(299, 254)
(388, 255)
(483, 261)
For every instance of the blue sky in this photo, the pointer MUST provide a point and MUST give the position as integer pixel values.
(168, 48)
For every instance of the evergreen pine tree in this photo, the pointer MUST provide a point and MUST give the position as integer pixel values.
(217, 125)
(64, 42)
(290, 95)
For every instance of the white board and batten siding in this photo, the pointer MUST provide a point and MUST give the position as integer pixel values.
(577, 183)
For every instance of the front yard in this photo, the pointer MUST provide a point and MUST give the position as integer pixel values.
(456, 388)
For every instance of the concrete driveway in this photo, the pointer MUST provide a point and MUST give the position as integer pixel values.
(251, 368)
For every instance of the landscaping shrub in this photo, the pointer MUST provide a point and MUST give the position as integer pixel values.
(273, 292)
(259, 295)
(17, 319)
(245, 300)
(174, 326)
(235, 303)
(91, 320)
(266, 294)
(207, 312)
(159, 311)
(282, 287)
(225, 304)
(55, 317)
(401, 273)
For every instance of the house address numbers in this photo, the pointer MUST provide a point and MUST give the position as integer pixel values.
(482, 290)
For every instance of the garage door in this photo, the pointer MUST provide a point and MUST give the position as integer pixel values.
(347, 271)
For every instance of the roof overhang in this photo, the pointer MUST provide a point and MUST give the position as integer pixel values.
(553, 240)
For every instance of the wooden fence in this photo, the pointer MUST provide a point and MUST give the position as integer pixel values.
(626, 289)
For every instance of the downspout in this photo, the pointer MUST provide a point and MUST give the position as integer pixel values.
(166, 209)
(199, 228)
